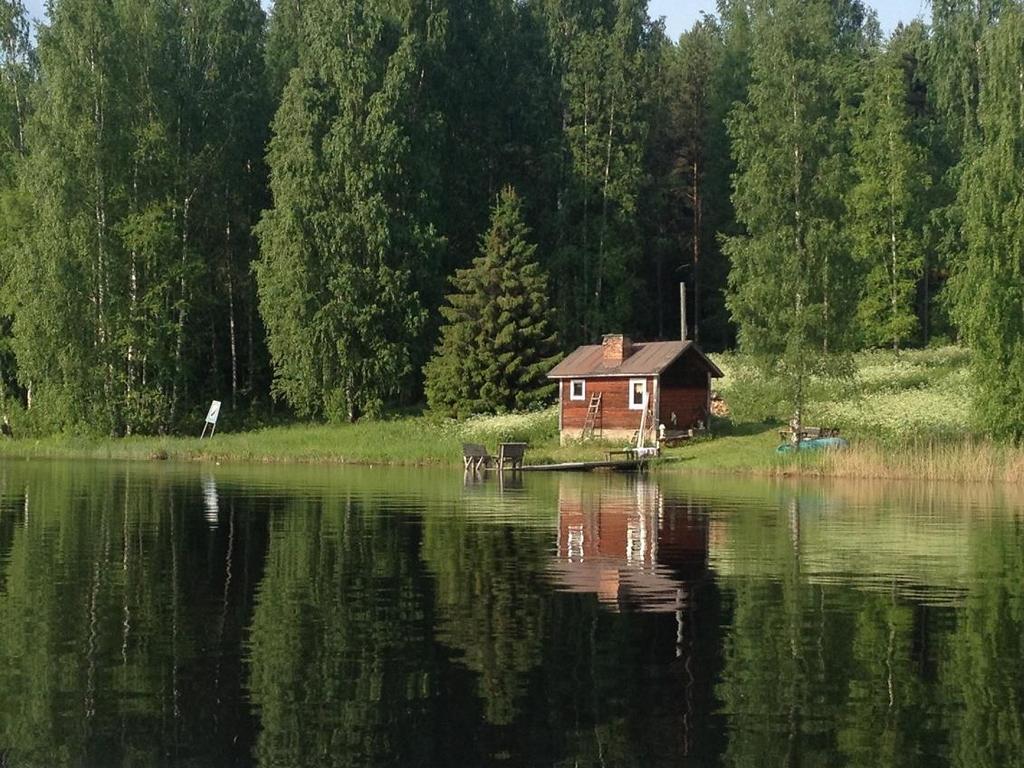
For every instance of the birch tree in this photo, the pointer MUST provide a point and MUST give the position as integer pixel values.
(886, 207)
(988, 286)
(791, 279)
(142, 161)
(17, 72)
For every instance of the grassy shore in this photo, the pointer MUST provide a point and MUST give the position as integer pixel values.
(410, 440)
(906, 416)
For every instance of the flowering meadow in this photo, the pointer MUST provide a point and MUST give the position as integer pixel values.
(910, 395)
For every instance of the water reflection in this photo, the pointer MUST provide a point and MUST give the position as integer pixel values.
(629, 545)
(107, 650)
(162, 616)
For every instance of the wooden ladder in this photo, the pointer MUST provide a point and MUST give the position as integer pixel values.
(593, 414)
(646, 424)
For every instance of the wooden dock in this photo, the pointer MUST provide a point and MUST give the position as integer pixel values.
(619, 465)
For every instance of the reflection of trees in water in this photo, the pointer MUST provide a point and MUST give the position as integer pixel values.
(432, 636)
(111, 649)
(982, 672)
(490, 603)
(640, 638)
(825, 672)
(344, 670)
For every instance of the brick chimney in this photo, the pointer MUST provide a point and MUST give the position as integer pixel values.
(616, 348)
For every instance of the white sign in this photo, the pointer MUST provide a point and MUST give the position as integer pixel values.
(211, 417)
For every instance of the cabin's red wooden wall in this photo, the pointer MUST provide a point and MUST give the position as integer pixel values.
(684, 391)
(615, 411)
(689, 405)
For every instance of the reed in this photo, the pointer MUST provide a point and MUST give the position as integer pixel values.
(966, 461)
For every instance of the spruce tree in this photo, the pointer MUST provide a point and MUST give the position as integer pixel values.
(345, 245)
(886, 207)
(496, 345)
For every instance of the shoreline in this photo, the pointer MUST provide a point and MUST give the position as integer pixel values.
(743, 450)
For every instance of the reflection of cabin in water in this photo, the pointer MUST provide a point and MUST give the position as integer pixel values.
(603, 388)
(629, 546)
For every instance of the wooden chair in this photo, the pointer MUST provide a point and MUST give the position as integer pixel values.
(511, 453)
(475, 456)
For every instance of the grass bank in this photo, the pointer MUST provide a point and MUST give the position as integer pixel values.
(907, 416)
(751, 450)
(412, 440)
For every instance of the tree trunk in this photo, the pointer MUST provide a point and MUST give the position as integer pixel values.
(599, 281)
(698, 220)
(179, 339)
(232, 337)
(586, 309)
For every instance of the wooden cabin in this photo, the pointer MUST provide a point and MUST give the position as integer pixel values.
(605, 390)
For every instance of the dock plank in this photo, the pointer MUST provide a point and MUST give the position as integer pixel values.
(584, 466)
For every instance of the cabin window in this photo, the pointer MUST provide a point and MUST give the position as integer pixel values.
(578, 389)
(637, 394)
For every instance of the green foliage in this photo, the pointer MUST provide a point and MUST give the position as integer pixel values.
(603, 57)
(134, 162)
(886, 207)
(792, 280)
(343, 239)
(989, 292)
(686, 195)
(143, 172)
(496, 345)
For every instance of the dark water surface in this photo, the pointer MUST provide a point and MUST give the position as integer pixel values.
(161, 615)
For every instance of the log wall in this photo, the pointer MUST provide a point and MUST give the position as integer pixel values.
(615, 412)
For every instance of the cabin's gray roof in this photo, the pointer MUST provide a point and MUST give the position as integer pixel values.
(646, 359)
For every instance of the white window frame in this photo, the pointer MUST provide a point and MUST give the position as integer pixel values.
(632, 384)
(583, 392)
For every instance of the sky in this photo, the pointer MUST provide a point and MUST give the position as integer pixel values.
(680, 14)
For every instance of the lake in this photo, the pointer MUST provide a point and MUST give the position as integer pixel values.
(163, 615)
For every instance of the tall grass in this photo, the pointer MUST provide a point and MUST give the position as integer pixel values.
(965, 461)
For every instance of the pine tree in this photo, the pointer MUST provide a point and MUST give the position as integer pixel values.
(686, 199)
(496, 345)
(988, 287)
(886, 207)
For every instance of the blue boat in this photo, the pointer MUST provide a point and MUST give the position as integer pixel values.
(815, 444)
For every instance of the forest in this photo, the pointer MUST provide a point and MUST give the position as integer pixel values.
(202, 201)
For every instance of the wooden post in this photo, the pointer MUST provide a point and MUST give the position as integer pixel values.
(682, 312)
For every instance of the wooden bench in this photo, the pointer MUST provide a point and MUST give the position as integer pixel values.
(475, 456)
(511, 453)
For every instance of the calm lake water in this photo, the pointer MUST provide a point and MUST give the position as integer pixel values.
(158, 615)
